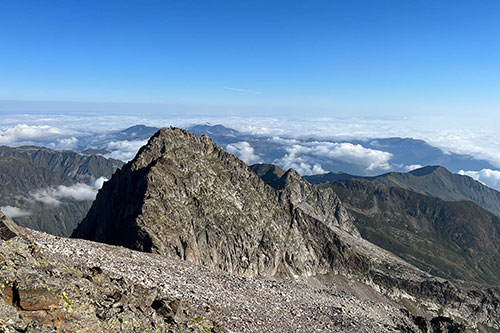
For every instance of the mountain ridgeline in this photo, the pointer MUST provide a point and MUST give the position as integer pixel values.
(434, 181)
(184, 197)
(458, 240)
(26, 171)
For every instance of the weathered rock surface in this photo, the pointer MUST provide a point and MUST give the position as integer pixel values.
(184, 197)
(48, 284)
(321, 203)
(52, 284)
(8, 229)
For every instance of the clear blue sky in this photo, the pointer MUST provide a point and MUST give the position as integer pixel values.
(369, 58)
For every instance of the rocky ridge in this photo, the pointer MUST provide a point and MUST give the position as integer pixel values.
(185, 197)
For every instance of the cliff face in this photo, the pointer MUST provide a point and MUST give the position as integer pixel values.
(184, 197)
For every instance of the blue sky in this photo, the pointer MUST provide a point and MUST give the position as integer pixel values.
(367, 59)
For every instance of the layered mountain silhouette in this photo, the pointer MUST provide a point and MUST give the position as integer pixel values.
(441, 222)
(29, 173)
(434, 181)
(184, 197)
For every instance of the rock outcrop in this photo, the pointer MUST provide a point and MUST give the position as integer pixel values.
(48, 286)
(8, 229)
(184, 197)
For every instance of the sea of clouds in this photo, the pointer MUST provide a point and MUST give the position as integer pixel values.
(67, 132)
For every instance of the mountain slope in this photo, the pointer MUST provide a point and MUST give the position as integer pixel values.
(184, 197)
(438, 182)
(448, 239)
(30, 180)
(433, 181)
(54, 284)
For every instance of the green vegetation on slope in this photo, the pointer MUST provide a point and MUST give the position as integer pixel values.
(449, 239)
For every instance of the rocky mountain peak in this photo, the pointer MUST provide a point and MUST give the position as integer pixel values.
(185, 197)
(175, 141)
(430, 169)
(289, 178)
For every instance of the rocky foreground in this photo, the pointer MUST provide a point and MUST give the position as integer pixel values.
(53, 284)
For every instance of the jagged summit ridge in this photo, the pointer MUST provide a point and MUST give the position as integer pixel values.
(185, 197)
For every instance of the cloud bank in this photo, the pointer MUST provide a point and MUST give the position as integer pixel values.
(488, 177)
(27, 133)
(78, 192)
(124, 150)
(303, 157)
(244, 151)
(468, 136)
(14, 212)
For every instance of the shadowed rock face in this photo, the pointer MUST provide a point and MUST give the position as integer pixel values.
(184, 197)
(8, 229)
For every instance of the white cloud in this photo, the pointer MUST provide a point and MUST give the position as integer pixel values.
(412, 167)
(370, 159)
(300, 165)
(244, 151)
(124, 150)
(66, 143)
(79, 192)
(302, 157)
(27, 133)
(277, 139)
(14, 212)
(247, 91)
(100, 182)
(488, 177)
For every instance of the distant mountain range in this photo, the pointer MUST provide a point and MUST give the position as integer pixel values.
(434, 181)
(307, 155)
(50, 190)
